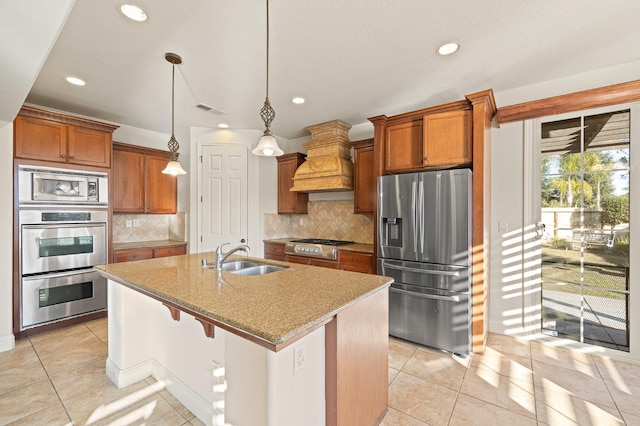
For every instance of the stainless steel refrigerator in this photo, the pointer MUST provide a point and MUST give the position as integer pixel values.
(424, 243)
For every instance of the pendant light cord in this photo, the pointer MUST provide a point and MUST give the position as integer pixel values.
(173, 79)
(267, 49)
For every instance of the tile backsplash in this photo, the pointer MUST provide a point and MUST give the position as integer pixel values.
(151, 227)
(333, 220)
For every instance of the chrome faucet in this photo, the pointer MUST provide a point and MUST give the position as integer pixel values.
(221, 257)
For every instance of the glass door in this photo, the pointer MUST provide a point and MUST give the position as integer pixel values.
(584, 196)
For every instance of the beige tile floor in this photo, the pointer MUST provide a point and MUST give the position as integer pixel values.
(58, 379)
(516, 382)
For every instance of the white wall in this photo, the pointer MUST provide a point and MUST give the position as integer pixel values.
(6, 242)
(509, 301)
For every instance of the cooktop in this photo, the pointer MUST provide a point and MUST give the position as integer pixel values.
(322, 241)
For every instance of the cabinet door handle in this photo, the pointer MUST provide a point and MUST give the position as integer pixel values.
(426, 158)
(71, 157)
(62, 156)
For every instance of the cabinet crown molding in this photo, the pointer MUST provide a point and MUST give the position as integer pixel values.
(67, 119)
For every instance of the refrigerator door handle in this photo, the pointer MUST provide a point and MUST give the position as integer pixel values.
(421, 216)
(415, 216)
(422, 271)
(426, 296)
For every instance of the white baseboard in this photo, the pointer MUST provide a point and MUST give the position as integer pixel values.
(7, 342)
(123, 378)
(199, 406)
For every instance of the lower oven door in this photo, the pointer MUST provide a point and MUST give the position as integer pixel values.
(436, 318)
(52, 297)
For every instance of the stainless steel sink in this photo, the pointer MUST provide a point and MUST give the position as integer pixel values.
(234, 265)
(259, 270)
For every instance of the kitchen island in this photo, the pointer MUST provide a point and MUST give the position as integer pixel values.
(303, 345)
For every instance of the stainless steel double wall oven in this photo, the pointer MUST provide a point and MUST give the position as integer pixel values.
(63, 220)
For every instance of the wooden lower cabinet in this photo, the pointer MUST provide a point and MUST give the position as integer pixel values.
(347, 260)
(355, 261)
(274, 251)
(127, 255)
(170, 251)
(132, 254)
(357, 378)
(332, 264)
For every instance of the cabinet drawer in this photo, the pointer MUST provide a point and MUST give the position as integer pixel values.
(132, 254)
(356, 268)
(297, 259)
(323, 263)
(170, 251)
(355, 258)
(331, 264)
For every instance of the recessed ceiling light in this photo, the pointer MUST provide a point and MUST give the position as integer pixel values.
(76, 81)
(133, 12)
(297, 100)
(448, 48)
(223, 125)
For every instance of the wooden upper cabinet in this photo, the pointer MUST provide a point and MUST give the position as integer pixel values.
(48, 136)
(447, 138)
(161, 188)
(138, 184)
(290, 202)
(89, 147)
(403, 146)
(38, 139)
(364, 179)
(127, 181)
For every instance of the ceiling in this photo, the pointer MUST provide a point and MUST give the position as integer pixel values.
(349, 59)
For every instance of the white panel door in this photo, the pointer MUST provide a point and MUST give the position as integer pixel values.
(223, 202)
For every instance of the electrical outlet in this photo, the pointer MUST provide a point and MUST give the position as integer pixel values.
(298, 358)
(128, 223)
(503, 227)
(136, 223)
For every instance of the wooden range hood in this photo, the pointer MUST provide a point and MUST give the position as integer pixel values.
(328, 166)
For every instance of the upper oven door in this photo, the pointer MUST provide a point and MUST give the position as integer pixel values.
(47, 248)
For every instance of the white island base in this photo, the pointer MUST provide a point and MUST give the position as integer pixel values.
(229, 380)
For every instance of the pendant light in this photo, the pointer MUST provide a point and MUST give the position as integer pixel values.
(268, 146)
(173, 167)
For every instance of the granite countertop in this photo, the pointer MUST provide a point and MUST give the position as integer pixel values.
(361, 247)
(273, 309)
(147, 244)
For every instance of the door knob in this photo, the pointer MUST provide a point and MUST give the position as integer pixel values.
(243, 240)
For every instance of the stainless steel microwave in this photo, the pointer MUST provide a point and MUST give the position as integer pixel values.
(51, 186)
